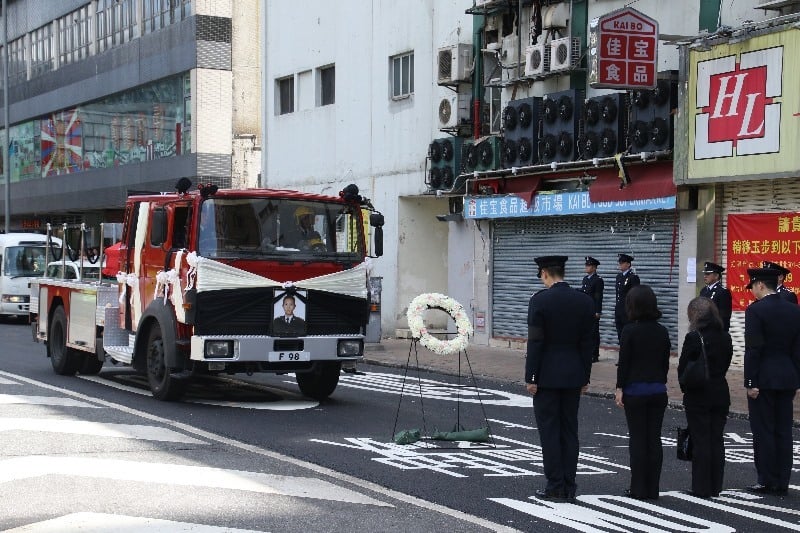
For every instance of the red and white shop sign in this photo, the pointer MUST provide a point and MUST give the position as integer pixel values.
(735, 107)
(623, 50)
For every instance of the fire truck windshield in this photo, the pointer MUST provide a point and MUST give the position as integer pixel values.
(273, 228)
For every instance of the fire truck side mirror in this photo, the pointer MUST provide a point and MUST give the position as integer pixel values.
(376, 221)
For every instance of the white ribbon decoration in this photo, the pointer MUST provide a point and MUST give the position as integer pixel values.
(191, 275)
(121, 277)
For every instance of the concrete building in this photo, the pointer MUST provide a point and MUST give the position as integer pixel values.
(107, 96)
(410, 76)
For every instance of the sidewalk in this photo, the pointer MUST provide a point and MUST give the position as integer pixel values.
(508, 364)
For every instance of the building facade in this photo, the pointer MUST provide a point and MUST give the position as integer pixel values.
(111, 96)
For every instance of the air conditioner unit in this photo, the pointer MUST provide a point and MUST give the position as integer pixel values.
(537, 59)
(455, 63)
(509, 54)
(564, 53)
(453, 110)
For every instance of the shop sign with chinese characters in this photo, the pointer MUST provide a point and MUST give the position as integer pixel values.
(623, 50)
(755, 238)
(743, 109)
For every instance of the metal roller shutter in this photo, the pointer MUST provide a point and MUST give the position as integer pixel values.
(776, 195)
(648, 236)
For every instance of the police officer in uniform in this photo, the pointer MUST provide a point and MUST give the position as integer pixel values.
(784, 292)
(772, 378)
(557, 369)
(626, 279)
(593, 285)
(716, 292)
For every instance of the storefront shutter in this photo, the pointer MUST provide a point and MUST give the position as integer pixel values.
(648, 236)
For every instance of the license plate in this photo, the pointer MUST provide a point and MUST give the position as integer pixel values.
(282, 357)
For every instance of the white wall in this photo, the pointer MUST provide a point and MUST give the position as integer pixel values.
(366, 138)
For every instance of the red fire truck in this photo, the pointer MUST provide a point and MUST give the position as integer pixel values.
(221, 281)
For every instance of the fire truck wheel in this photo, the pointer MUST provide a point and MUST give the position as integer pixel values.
(91, 365)
(65, 360)
(321, 382)
(162, 384)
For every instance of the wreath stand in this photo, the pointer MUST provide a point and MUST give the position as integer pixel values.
(458, 427)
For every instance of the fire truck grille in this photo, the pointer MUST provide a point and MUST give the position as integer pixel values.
(250, 312)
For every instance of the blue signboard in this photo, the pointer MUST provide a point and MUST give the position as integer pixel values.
(565, 203)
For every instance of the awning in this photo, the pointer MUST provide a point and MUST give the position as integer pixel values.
(525, 187)
(651, 180)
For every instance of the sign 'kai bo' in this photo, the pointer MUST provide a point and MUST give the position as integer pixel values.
(623, 50)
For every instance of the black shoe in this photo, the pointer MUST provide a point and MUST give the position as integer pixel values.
(779, 491)
(758, 488)
(546, 494)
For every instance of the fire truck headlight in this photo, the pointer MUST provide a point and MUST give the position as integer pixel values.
(14, 299)
(350, 348)
(216, 349)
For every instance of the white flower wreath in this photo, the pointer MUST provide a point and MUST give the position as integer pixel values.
(435, 300)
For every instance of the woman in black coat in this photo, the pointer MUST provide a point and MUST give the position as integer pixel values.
(707, 407)
(642, 389)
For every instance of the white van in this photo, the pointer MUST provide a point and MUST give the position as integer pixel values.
(22, 257)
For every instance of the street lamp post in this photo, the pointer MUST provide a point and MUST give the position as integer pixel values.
(7, 137)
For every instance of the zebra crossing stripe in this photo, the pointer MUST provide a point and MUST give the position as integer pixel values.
(18, 468)
(96, 429)
(61, 401)
(112, 523)
(4, 381)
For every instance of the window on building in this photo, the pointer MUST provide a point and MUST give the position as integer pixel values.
(17, 66)
(402, 75)
(41, 50)
(327, 85)
(115, 22)
(285, 93)
(73, 35)
(158, 14)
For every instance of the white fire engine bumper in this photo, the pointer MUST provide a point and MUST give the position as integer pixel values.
(263, 348)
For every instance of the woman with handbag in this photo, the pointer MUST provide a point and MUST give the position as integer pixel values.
(705, 358)
(642, 389)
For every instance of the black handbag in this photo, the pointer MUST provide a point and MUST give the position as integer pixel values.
(695, 373)
(684, 444)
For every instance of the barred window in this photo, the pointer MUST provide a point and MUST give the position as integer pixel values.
(41, 50)
(73, 35)
(115, 22)
(402, 75)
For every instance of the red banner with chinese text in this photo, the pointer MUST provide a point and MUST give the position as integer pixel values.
(755, 238)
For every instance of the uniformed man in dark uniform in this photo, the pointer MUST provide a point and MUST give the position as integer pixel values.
(716, 292)
(783, 291)
(593, 285)
(626, 279)
(772, 378)
(557, 369)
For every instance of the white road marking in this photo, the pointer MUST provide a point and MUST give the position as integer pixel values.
(283, 405)
(182, 475)
(4, 381)
(112, 523)
(321, 470)
(96, 429)
(716, 503)
(8, 399)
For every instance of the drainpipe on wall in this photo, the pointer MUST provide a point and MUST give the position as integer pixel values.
(478, 22)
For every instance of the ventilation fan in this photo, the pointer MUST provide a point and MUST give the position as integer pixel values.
(537, 59)
(564, 53)
(509, 150)
(435, 151)
(510, 118)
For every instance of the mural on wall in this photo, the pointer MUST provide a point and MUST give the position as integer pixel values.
(62, 144)
(760, 237)
(142, 124)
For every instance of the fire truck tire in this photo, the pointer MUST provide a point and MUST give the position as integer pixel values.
(91, 365)
(65, 360)
(320, 382)
(162, 384)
